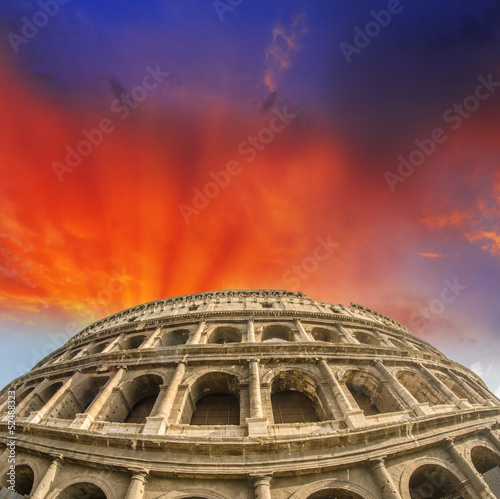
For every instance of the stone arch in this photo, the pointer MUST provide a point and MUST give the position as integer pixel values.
(174, 337)
(367, 338)
(131, 342)
(95, 485)
(98, 347)
(295, 398)
(308, 491)
(484, 459)
(277, 333)
(370, 393)
(225, 334)
(398, 343)
(133, 401)
(213, 399)
(432, 480)
(193, 494)
(327, 335)
(40, 398)
(420, 388)
(454, 387)
(78, 398)
(25, 478)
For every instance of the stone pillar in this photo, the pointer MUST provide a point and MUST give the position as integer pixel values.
(83, 421)
(148, 343)
(36, 417)
(113, 343)
(404, 394)
(352, 417)
(262, 487)
(256, 423)
(383, 479)
(460, 403)
(303, 333)
(157, 423)
(195, 340)
(476, 481)
(383, 339)
(250, 331)
(137, 485)
(45, 483)
(493, 438)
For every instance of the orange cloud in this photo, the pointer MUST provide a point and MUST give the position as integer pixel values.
(490, 239)
(434, 255)
(279, 55)
(453, 220)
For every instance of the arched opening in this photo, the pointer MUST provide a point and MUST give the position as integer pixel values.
(225, 334)
(173, 338)
(277, 333)
(213, 399)
(370, 394)
(24, 479)
(98, 348)
(134, 402)
(366, 338)
(24, 394)
(294, 399)
(433, 481)
(455, 387)
(335, 494)
(326, 335)
(487, 463)
(420, 388)
(77, 399)
(84, 490)
(40, 399)
(132, 342)
(399, 344)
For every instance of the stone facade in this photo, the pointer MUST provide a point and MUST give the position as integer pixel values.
(251, 394)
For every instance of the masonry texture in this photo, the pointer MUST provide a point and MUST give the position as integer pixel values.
(250, 394)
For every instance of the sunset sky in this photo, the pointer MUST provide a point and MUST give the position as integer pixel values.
(159, 148)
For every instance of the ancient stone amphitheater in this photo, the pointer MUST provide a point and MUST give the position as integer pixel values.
(250, 394)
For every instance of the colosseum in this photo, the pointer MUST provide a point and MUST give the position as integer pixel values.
(244, 394)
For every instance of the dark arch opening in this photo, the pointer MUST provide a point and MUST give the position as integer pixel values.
(277, 333)
(225, 334)
(433, 481)
(366, 338)
(173, 338)
(487, 463)
(98, 348)
(399, 344)
(132, 343)
(420, 388)
(326, 335)
(24, 479)
(335, 494)
(84, 490)
(40, 399)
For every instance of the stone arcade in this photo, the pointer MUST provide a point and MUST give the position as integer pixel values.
(251, 394)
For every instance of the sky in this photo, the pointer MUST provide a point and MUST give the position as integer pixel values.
(349, 150)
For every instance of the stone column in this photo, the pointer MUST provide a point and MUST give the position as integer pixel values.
(303, 333)
(157, 423)
(45, 483)
(262, 486)
(251, 331)
(404, 394)
(83, 421)
(383, 479)
(137, 484)
(443, 388)
(352, 417)
(493, 438)
(148, 343)
(36, 417)
(256, 423)
(195, 340)
(113, 343)
(476, 481)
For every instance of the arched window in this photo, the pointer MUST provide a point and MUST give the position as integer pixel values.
(134, 402)
(172, 338)
(84, 489)
(225, 334)
(95, 349)
(132, 342)
(24, 479)
(487, 463)
(454, 387)
(431, 480)
(421, 389)
(326, 335)
(277, 333)
(294, 399)
(366, 338)
(370, 394)
(40, 399)
(398, 344)
(335, 494)
(216, 401)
